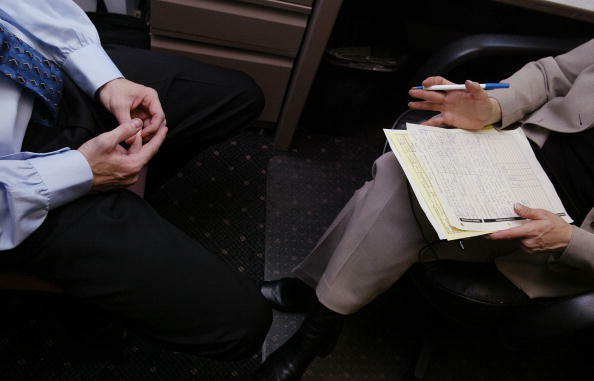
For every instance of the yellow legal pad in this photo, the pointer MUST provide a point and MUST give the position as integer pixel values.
(405, 153)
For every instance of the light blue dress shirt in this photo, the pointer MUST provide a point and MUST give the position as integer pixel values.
(31, 184)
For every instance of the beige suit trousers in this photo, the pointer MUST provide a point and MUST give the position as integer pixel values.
(382, 232)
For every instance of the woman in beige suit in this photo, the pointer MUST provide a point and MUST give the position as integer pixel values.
(375, 238)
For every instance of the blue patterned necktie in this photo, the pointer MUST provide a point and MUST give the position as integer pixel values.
(23, 64)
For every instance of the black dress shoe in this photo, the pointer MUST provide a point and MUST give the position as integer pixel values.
(288, 294)
(316, 338)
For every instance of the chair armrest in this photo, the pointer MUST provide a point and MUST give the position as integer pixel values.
(468, 48)
(557, 318)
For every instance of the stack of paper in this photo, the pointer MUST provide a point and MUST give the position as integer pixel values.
(467, 182)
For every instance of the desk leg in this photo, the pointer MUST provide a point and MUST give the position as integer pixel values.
(316, 36)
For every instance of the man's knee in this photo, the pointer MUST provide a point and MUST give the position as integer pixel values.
(242, 92)
(245, 94)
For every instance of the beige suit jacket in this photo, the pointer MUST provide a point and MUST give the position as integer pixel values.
(555, 94)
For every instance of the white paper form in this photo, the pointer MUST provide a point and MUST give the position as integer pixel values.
(404, 151)
(479, 175)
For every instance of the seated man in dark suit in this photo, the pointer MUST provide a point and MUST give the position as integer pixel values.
(65, 214)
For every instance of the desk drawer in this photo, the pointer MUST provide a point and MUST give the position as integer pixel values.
(270, 73)
(301, 6)
(230, 23)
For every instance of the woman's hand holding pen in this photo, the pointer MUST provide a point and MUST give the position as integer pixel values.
(469, 109)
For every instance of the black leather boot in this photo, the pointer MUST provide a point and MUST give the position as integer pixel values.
(288, 294)
(316, 338)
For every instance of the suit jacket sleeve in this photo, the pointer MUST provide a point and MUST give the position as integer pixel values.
(580, 251)
(551, 94)
(555, 94)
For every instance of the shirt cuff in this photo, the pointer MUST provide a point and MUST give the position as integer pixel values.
(90, 68)
(67, 176)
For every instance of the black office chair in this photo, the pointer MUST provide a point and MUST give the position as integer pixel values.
(487, 57)
(476, 295)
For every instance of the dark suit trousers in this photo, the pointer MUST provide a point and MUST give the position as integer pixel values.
(113, 251)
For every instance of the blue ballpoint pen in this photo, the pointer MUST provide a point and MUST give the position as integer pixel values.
(486, 86)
